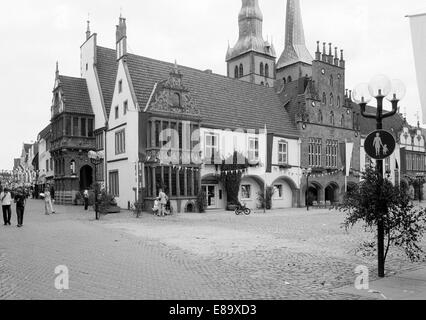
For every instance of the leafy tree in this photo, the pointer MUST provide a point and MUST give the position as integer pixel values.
(269, 194)
(202, 201)
(231, 174)
(375, 199)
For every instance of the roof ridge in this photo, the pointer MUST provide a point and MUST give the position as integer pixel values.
(193, 69)
(203, 72)
(71, 77)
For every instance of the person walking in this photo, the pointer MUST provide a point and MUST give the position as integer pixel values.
(6, 202)
(48, 208)
(86, 199)
(163, 202)
(20, 200)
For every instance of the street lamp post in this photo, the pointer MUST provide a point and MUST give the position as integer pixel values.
(96, 159)
(380, 87)
(308, 173)
(420, 178)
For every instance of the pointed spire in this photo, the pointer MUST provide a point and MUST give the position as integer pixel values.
(57, 70)
(88, 32)
(250, 22)
(295, 47)
(176, 68)
(121, 38)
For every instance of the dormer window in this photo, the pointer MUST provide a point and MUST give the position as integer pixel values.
(120, 86)
(267, 71)
(241, 71)
(236, 72)
(261, 69)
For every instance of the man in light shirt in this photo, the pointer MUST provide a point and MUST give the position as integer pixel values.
(6, 202)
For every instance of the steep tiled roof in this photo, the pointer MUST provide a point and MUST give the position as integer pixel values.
(107, 72)
(76, 95)
(45, 132)
(288, 96)
(393, 124)
(223, 102)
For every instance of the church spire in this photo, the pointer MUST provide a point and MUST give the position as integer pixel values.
(295, 48)
(250, 21)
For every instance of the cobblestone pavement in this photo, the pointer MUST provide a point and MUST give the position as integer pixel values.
(281, 255)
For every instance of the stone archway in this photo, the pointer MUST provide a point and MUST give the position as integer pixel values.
(314, 193)
(332, 193)
(285, 193)
(249, 191)
(86, 177)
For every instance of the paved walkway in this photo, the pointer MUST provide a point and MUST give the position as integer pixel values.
(405, 286)
(288, 254)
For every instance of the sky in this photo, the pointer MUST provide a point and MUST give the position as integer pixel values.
(374, 34)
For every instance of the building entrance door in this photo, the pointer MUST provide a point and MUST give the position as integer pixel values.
(211, 196)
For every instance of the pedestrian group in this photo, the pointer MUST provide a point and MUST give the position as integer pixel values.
(19, 198)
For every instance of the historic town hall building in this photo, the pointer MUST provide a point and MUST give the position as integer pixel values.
(291, 118)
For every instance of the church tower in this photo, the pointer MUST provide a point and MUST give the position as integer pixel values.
(252, 59)
(296, 61)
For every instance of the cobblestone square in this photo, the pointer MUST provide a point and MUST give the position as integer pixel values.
(288, 254)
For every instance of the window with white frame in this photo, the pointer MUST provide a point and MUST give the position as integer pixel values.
(212, 145)
(253, 149)
(246, 192)
(282, 152)
(120, 142)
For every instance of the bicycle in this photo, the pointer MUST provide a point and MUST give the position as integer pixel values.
(242, 209)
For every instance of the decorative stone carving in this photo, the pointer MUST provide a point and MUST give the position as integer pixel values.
(165, 95)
